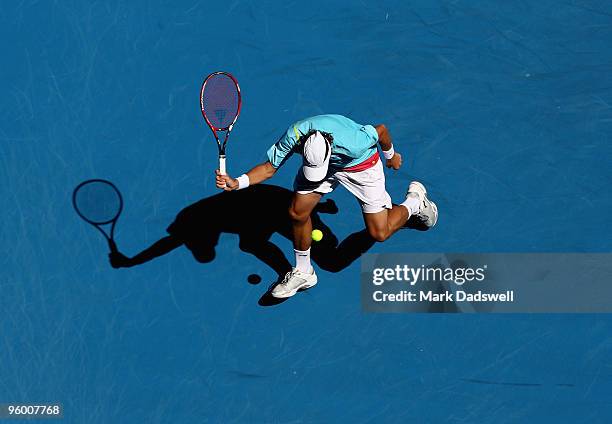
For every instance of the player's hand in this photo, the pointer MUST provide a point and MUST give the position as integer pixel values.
(225, 182)
(395, 162)
(119, 260)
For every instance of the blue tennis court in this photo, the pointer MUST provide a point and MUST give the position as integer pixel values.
(503, 109)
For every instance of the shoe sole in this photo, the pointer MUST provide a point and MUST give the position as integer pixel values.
(294, 291)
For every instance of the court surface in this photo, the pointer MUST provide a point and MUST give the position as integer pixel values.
(503, 109)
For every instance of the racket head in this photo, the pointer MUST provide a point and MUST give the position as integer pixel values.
(220, 101)
(97, 201)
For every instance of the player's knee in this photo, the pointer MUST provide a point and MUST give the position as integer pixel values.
(297, 216)
(378, 234)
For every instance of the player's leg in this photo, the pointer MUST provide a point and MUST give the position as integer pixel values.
(382, 219)
(299, 212)
(305, 199)
(381, 225)
(302, 276)
(301, 207)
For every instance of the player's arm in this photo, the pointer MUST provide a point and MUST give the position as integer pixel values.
(277, 154)
(393, 158)
(256, 175)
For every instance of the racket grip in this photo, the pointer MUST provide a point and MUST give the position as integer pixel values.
(222, 165)
(112, 246)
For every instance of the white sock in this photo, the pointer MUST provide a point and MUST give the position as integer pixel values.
(302, 260)
(412, 203)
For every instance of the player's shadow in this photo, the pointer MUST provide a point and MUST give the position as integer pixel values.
(254, 214)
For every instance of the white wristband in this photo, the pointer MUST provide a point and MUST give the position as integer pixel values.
(243, 181)
(389, 153)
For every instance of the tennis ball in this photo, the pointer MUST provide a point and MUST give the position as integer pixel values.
(317, 235)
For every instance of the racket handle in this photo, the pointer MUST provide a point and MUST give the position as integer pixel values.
(112, 246)
(222, 165)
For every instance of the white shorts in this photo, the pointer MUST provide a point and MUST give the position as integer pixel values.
(368, 186)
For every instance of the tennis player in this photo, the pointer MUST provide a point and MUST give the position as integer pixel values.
(336, 150)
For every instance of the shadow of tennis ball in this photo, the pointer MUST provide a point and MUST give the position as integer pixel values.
(254, 279)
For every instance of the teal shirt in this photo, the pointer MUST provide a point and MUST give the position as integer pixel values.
(353, 143)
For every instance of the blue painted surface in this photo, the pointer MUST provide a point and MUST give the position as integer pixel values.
(501, 108)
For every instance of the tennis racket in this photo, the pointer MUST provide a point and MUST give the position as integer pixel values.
(220, 101)
(99, 203)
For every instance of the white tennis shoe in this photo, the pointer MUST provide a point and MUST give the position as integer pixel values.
(428, 211)
(294, 280)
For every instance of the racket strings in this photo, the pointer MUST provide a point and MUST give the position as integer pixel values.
(220, 101)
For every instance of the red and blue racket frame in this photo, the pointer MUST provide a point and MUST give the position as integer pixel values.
(220, 103)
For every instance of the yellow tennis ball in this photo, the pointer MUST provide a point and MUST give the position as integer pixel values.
(317, 235)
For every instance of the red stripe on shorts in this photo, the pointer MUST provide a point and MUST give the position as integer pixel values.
(366, 164)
